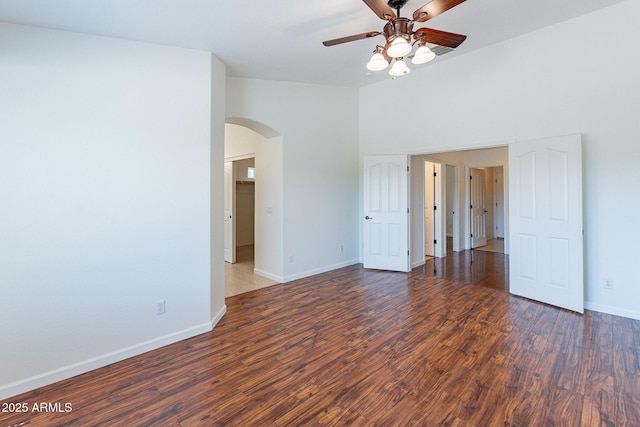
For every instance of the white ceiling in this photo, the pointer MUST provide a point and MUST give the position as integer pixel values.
(282, 40)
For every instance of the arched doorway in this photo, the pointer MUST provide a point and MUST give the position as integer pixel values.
(248, 141)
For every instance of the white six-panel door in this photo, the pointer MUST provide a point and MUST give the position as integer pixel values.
(478, 208)
(386, 217)
(545, 220)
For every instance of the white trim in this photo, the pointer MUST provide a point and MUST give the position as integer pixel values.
(616, 311)
(215, 319)
(84, 366)
(319, 270)
(418, 263)
(240, 157)
(268, 275)
(284, 279)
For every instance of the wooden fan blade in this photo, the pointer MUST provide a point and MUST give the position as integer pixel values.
(434, 8)
(381, 8)
(442, 38)
(351, 38)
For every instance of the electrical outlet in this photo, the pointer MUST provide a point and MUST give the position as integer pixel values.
(608, 284)
(291, 259)
(160, 307)
(341, 248)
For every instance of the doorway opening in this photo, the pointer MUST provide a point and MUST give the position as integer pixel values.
(245, 200)
(252, 206)
(440, 224)
(545, 218)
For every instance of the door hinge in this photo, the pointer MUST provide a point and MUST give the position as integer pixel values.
(435, 208)
(435, 242)
(407, 253)
(407, 168)
(471, 234)
(407, 210)
(435, 174)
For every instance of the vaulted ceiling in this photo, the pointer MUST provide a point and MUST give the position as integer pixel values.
(282, 40)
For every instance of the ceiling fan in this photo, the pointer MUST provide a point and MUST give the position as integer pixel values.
(398, 32)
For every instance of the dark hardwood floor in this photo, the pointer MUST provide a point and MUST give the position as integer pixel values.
(488, 269)
(361, 347)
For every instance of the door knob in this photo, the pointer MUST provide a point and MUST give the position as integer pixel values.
(368, 217)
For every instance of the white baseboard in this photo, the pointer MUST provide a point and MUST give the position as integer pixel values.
(616, 311)
(268, 275)
(296, 276)
(315, 271)
(84, 366)
(418, 263)
(215, 319)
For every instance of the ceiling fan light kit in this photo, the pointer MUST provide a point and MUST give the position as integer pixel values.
(423, 55)
(399, 47)
(398, 32)
(399, 68)
(377, 61)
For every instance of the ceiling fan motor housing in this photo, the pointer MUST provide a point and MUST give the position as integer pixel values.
(396, 4)
(398, 27)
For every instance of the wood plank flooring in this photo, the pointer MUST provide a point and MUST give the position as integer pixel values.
(360, 347)
(488, 269)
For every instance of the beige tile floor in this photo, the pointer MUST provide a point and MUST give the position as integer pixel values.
(239, 277)
(493, 245)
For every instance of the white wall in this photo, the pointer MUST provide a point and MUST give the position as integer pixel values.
(217, 99)
(563, 79)
(319, 133)
(240, 142)
(105, 183)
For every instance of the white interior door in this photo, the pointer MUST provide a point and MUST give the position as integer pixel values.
(429, 211)
(545, 221)
(478, 208)
(386, 213)
(229, 214)
(498, 195)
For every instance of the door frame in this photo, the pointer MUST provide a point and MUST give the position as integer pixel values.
(496, 187)
(229, 210)
(233, 201)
